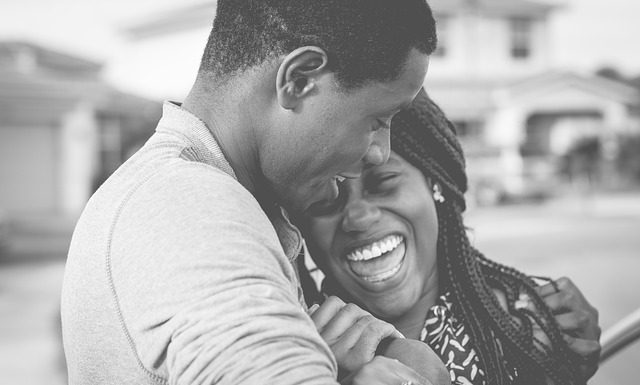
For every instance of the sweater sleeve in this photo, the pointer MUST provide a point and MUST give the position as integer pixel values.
(205, 292)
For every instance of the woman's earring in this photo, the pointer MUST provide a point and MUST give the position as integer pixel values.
(437, 193)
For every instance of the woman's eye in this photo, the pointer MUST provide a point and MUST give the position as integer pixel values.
(381, 182)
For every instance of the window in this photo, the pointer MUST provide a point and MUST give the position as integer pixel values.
(468, 128)
(520, 38)
(442, 25)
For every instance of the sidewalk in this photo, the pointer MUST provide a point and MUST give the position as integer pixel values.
(553, 216)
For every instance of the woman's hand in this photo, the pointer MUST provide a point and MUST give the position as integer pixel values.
(352, 333)
(578, 321)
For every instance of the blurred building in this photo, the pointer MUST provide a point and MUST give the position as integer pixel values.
(61, 129)
(493, 75)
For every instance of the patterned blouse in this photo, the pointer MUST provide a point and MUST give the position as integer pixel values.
(448, 338)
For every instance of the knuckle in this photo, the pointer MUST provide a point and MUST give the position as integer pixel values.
(567, 296)
(366, 321)
(352, 309)
(334, 301)
(592, 347)
(564, 282)
(569, 339)
(582, 318)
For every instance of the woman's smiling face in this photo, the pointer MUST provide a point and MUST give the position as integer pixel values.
(379, 239)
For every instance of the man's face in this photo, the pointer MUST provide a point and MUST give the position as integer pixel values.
(334, 134)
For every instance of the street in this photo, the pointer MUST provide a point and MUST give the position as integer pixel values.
(595, 241)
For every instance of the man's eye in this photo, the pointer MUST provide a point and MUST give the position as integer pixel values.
(324, 208)
(382, 123)
(327, 207)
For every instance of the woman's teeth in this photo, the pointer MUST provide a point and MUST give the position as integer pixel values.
(378, 261)
(384, 275)
(375, 249)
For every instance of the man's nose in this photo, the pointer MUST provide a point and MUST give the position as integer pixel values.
(379, 149)
(359, 216)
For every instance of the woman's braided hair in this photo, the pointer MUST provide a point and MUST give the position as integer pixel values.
(424, 137)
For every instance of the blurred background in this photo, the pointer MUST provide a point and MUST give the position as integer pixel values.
(545, 95)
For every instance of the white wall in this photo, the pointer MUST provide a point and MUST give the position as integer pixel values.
(480, 47)
(78, 158)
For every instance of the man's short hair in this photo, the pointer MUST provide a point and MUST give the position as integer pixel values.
(365, 40)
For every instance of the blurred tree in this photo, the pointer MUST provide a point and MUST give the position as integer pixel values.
(582, 160)
(628, 161)
(635, 81)
(611, 73)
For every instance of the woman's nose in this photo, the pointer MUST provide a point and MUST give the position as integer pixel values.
(359, 216)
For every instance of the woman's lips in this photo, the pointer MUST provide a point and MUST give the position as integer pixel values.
(372, 265)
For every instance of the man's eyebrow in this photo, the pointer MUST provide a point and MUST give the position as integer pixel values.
(406, 104)
(401, 106)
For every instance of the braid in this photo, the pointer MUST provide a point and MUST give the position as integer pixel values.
(462, 298)
(470, 279)
(425, 138)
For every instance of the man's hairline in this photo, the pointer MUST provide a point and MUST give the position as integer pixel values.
(225, 79)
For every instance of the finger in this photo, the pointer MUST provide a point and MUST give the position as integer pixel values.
(566, 285)
(579, 324)
(583, 347)
(383, 370)
(547, 289)
(346, 317)
(561, 302)
(325, 313)
(408, 374)
(589, 350)
(351, 335)
(313, 309)
(571, 322)
(371, 336)
(349, 355)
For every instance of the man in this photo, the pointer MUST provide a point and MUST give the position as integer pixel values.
(180, 267)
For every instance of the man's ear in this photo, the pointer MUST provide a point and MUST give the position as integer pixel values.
(298, 74)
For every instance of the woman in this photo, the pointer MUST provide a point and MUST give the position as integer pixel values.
(395, 244)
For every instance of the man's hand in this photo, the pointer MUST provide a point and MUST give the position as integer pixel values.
(385, 371)
(352, 333)
(578, 321)
(418, 356)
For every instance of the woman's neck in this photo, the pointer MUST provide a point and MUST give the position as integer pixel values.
(411, 323)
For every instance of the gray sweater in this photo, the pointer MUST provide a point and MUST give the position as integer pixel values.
(175, 275)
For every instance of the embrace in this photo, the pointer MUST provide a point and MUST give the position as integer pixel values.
(307, 130)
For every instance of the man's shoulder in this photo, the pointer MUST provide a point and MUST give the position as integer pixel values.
(198, 186)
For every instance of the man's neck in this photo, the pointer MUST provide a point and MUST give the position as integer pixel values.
(225, 115)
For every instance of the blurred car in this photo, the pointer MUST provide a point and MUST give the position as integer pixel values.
(4, 233)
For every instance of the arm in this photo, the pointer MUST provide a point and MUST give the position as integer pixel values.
(205, 290)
